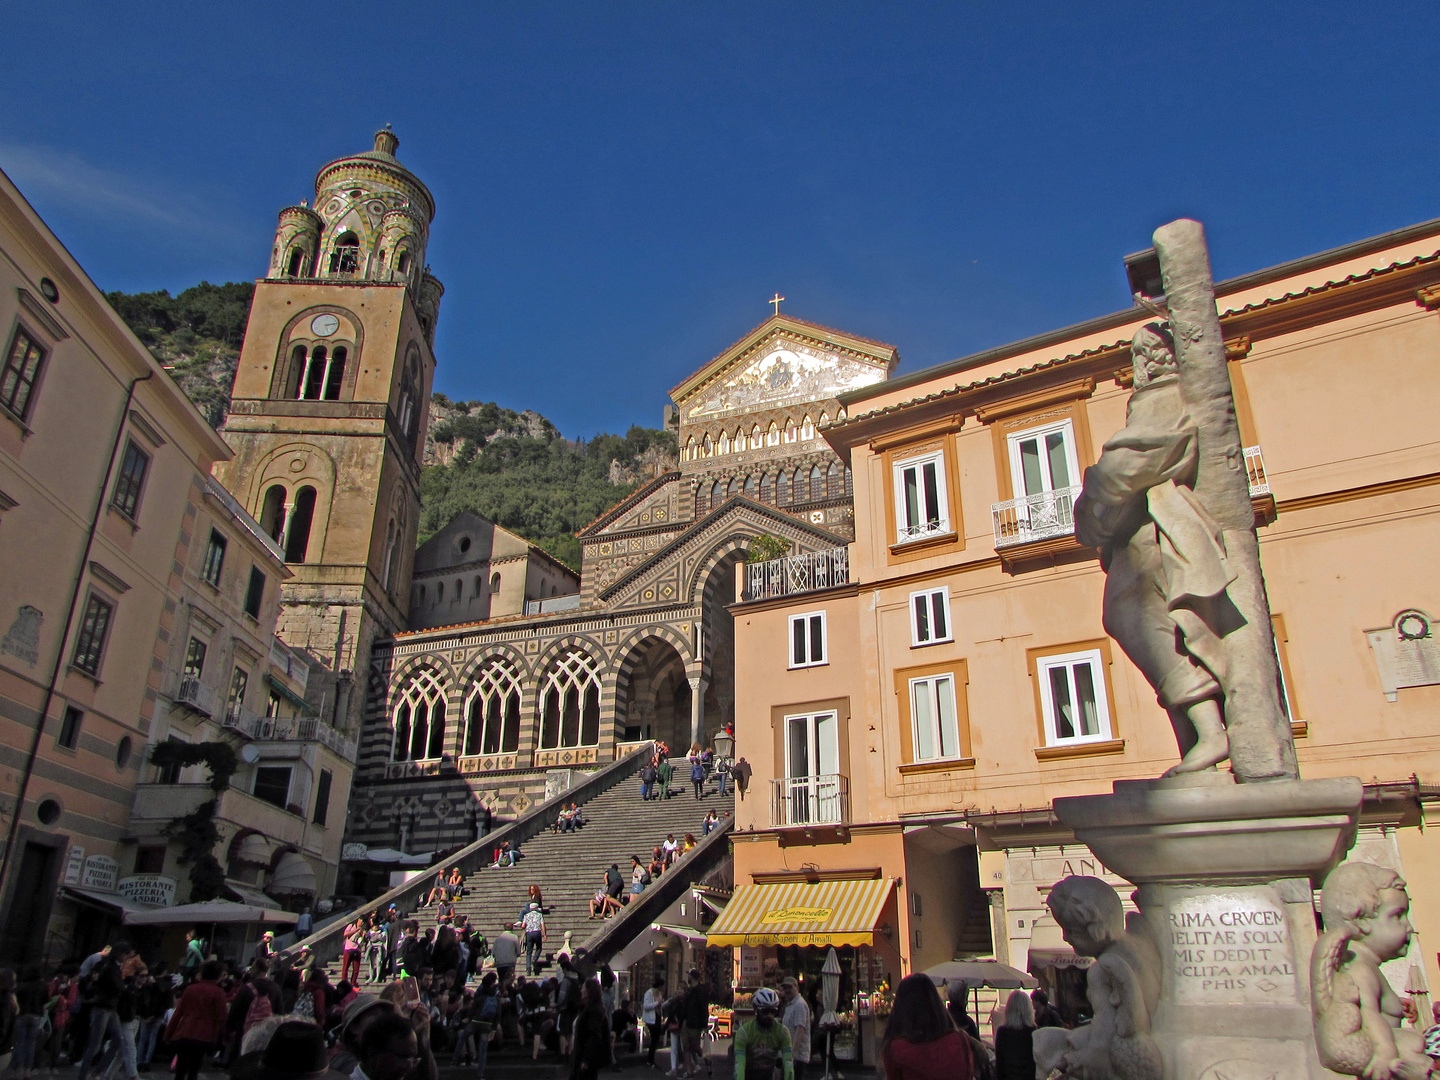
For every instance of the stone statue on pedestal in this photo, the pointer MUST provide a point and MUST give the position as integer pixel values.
(1123, 984)
(1165, 563)
(1357, 1014)
(1168, 504)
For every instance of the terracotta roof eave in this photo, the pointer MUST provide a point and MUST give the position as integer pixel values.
(1120, 318)
(843, 427)
(778, 321)
(1233, 321)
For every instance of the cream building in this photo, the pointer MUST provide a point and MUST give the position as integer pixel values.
(229, 679)
(473, 570)
(103, 467)
(917, 721)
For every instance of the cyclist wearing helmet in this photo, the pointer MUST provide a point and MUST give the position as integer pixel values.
(763, 1043)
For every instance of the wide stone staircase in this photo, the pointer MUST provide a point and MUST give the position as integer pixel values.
(568, 867)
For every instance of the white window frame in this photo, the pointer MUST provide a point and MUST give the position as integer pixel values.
(1072, 459)
(934, 599)
(809, 659)
(905, 533)
(1043, 667)
(936, 686)
(814, 796)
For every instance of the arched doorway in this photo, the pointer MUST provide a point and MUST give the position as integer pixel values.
(653, 695)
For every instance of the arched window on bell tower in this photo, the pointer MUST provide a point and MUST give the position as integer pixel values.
(297, 533)
(345, 259)
(272, 512)
(295, 263)
(408, 412)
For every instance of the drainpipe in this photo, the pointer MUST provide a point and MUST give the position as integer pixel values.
(14, 831)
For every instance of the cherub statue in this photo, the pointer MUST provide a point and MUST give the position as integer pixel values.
(1357, 1013)
(1123, 985)
(1165, 564)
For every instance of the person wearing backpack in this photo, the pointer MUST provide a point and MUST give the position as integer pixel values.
(697, 776)
(647, 780)
(535, 934)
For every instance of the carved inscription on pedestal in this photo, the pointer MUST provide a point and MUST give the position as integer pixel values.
(1230, 947)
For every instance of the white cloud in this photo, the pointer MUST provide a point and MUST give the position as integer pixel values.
(64, 178)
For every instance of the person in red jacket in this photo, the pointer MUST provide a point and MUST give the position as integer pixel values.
(921, 1042)
(198, 1023)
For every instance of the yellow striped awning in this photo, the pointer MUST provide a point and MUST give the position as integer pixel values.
(802, 913)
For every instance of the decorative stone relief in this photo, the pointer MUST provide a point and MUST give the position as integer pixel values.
(23, 637)
(1406, 653)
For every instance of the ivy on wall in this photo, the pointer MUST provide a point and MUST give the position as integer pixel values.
(196, 831)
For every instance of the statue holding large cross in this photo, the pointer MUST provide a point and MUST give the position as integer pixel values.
(1168, 505)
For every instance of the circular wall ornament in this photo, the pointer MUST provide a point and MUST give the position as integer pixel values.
(324, 325)
(297, 464)
(48, 812)
(49, 290)
(1412, 626)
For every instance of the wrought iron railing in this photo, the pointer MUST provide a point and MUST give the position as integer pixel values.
(1255, 471)
(289, 729)
(1035, 517)
(194, 694)
(797, 573)
(810, 800)
(934, 527)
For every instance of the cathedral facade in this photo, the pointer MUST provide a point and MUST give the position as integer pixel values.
(645, 650)
(470, 677)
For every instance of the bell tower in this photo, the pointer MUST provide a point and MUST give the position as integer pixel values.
(329, 409)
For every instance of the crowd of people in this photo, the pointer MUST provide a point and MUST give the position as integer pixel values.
(431, 988)
(657, 776)
(112, 1014)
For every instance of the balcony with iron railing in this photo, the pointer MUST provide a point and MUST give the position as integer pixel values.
(194, 694)
(288, 729)
(805, 801)
(1042, 516)
(790, 574)
(1050, 515)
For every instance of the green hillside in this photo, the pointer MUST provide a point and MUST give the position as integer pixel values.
(531, 481)
(512, 468)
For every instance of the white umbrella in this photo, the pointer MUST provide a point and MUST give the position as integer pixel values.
(209, 911)
(829, 998)
(981, 973)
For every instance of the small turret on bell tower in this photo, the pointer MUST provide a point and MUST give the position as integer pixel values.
(329, 409)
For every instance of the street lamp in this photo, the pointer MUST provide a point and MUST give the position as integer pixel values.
(724, 743)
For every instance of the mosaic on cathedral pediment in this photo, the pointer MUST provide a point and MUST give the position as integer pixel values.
(785, 371)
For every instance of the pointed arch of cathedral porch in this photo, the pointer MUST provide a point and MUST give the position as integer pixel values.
(640, 709)
(417, 683)
(558, 669)
(489, 676)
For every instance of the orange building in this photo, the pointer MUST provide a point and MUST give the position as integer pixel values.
(917, 723)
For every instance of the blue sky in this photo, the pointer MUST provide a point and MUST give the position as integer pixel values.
(621, 186)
